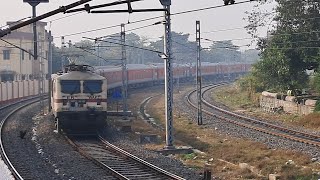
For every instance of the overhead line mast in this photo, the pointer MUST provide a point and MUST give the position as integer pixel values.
(124, 70)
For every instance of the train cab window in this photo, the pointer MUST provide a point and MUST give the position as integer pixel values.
(70, 86)
(93, 86)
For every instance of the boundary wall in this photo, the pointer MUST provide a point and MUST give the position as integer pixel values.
(11, 91)
(289, 104)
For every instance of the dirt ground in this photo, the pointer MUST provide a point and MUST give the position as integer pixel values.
(227, 157)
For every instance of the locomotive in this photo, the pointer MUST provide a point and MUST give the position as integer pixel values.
(78, 98)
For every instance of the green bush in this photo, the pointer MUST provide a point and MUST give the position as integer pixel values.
(317, 108)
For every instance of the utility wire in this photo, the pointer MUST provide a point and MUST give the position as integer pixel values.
(91, 53)
(212, 7)
(125, 45)
(221, 42)
(141, 27)
(93, 30)
(17, 47)
(156, 17)
(65, 17)
(182, 45)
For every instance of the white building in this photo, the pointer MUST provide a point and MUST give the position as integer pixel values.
(16, 64)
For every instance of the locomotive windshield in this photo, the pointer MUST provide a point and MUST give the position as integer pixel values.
(70, 86)
(93, 86)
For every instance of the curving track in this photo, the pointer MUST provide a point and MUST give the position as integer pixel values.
(18, 170)
(121, 164)
(251, 123)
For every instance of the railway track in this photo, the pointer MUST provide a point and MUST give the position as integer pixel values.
(17, 170)
(119, 163)
(252, 123)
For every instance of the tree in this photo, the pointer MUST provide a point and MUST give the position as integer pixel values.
(224, 51)
(292, 47)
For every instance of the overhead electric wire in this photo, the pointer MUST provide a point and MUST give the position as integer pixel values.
(183, 12)
(129, 30)
(222, 42)
(16, 46)
(65, 17)
(156, 17)
(211, 7)
(91, 53)
(125, 45)
(182, 45)
(93, 30)
(15, 22)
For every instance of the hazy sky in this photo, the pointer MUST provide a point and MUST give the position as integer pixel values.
(228, 17)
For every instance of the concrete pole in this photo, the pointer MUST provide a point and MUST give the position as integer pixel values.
(124, 70)
(49, 68)
(199, 85)
(168, 79)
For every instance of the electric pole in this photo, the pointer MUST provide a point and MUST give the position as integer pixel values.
(35, 35)
(49, 68)
(63, 49)
(199, 86)
(168, 75)
(124, 70)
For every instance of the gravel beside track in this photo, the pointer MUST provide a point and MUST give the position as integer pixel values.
(4, 171)
(63, 158)
(43, 154)
(22, 152)
(230, 129)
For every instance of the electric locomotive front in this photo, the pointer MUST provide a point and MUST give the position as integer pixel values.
(79, 98)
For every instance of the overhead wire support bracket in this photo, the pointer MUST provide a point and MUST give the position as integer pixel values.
(43, 16)
(88, 8)
(124, 11)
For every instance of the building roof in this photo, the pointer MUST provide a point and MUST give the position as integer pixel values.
(19, 35)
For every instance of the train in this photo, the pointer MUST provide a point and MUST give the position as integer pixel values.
(76, 105)
(153, 74)
(78, 98)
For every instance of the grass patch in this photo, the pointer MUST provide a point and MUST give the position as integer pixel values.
(224, 153)
(235, 99)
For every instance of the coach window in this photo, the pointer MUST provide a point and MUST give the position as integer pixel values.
(93, 86)
(70, 86)
(6, 54)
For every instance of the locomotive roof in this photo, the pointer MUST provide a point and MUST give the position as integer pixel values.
(78, 75)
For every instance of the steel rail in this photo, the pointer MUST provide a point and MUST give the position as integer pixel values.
(284, 133)
(21, 101)
(141, 161)
(86, 155)
(5, 158)
(259, 121)
(117, 150)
